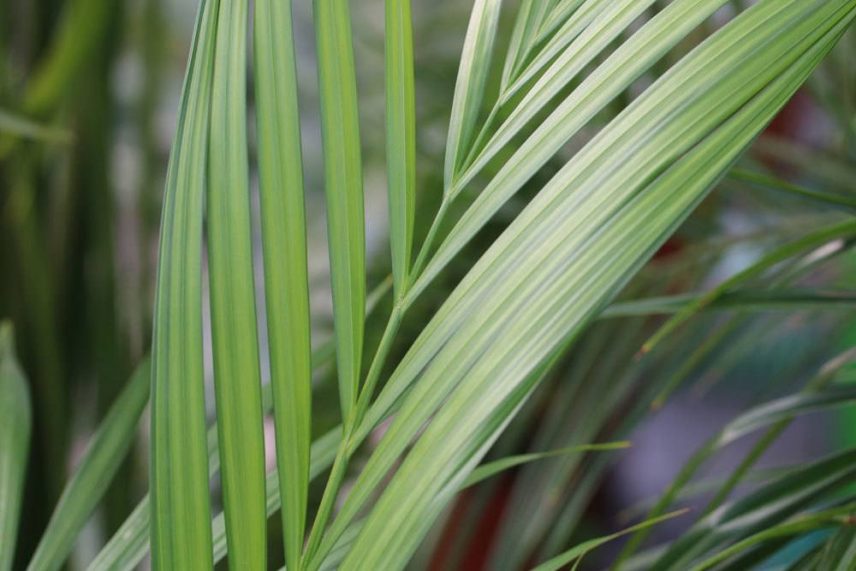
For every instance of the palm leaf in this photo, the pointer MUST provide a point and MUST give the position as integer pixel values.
(181, 513)
(740, 300)
(491, 469)
(129, 545)
(401, 137)
(237, 379)
(285, 264)
(479, 348)
(773, 503)
(781, 411)
(800, 526)
(470, 86)
(839, 553)
(344, 189)
(578, 552)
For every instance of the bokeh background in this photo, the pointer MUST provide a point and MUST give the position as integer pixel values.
(89, 93)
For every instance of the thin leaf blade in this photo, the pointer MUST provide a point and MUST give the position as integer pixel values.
(180, 504)
(400, 137)
(237, 378)
(470, 85)
(340, 133)
(108, 446)
(285, 260)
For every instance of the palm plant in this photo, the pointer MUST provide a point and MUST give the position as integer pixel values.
(530, 335)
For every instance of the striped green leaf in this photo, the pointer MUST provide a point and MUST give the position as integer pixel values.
(286, 273)
(180, 503)
(470, 86)
(632, 58)
(530, 16)
(400, 137)
(570, 250)
(283, 222)
(343, 176)
(583, 15)
(576, 184)
(237, 378)
(130, 543)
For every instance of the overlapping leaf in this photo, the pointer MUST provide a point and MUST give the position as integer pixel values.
(562, 267)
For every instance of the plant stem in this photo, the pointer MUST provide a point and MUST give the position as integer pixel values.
(422, 258)
(376, 367)
(331, 490)
(347, 447)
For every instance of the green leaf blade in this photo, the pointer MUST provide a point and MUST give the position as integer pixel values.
(400, 137)
(180, 503)
(283, 221)
(237, 378)
(340, 134)
(470, 85)
(532, 292)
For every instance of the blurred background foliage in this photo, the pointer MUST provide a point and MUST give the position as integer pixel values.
(88, 97)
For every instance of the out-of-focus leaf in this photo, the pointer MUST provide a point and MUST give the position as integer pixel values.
(93, 475)
(490, 469)
(839, 553)
(769, 414)
(768, 506)
(740, 300)
(800, 526)
(18, 126)
(572, 248)
(15, 429)
(575, 554)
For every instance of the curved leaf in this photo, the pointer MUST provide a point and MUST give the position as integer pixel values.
(181, 512)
